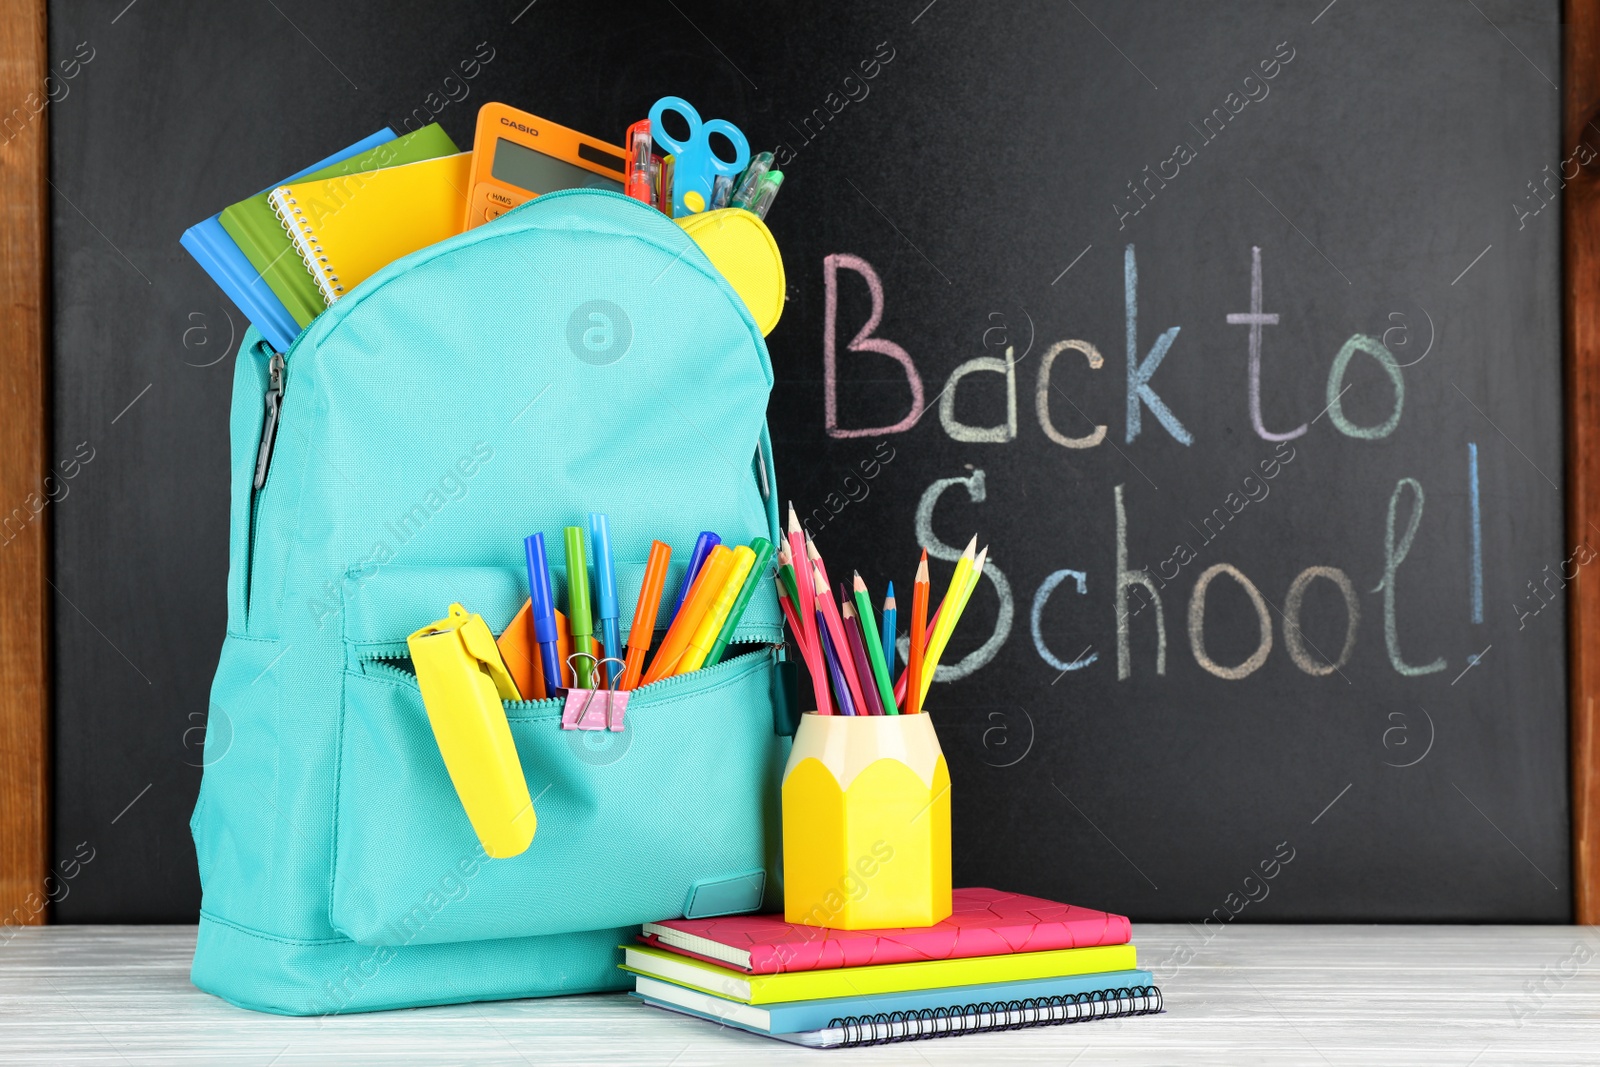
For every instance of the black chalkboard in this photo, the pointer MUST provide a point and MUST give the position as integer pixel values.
(979, 183)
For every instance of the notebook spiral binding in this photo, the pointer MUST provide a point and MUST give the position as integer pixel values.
(305, 242)
(986, 1016)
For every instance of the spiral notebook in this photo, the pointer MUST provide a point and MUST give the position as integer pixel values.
(215, 250)
(346, 229)
(953, 1020)
(796, 1016)
(254, 227)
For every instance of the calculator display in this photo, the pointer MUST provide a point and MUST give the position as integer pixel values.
(529, 169)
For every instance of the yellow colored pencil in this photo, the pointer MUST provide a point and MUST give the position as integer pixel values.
(962, 583)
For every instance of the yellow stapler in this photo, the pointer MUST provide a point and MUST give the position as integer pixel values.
(463, 681)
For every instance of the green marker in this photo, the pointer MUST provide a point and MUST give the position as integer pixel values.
(578, 608)
(869, 634)
(763, 550)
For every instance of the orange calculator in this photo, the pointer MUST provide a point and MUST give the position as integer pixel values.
(516, 156)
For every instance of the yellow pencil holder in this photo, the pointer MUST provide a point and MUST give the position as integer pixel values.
(866, 823)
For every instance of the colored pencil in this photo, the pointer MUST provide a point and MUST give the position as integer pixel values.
(815, 559)
(919, 637)
(946, 619)
(707, 584)
(839, 685)
(835, 627)
(877, 675)
(941, 635)
(888, 636)
(900, 682)
(809, 656)
(805, 603)
(642, 633)
(786, 572)
(858, 657)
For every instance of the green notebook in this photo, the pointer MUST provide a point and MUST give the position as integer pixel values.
(255, 228)
(873, 979)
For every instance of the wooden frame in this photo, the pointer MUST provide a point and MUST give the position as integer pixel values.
(1581, 271)
(24, 437)
(24, 440)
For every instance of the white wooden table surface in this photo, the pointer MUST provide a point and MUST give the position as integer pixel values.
(1328, 995)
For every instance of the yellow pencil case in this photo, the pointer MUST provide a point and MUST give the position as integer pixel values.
(463, 681)
(741, 247)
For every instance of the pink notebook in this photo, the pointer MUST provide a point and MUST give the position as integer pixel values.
(986, 922)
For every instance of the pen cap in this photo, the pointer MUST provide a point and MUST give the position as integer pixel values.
(766, 193)
(605, 575)
(745, 192)
(544, 601)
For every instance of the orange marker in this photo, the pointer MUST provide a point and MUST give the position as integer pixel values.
(521, 655)
(919, 637)
(707, 584)
(644, 615)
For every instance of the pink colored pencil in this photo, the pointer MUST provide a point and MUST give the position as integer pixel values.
(814, 667)
(836, 633)
(806, 609)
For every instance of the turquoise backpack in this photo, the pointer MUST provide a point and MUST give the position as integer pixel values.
(579, 354)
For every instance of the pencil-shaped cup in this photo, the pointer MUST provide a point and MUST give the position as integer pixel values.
(866, 823)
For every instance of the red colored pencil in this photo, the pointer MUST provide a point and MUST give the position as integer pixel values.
(814, 666)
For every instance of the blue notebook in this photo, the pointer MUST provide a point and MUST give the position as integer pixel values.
(215, 251)
(801, 1016)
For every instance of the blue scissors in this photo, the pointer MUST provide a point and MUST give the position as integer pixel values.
(695, 167)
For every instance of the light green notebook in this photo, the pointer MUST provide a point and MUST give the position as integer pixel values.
(255, 227)
(880, 978)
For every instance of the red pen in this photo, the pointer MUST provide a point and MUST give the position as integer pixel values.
(638, 144)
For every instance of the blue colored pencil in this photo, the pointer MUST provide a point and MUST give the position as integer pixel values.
(841, 689)
(888, 630)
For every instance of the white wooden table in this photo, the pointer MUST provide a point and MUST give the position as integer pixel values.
(1329, 995)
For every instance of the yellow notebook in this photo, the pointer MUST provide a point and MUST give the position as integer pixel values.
(865, 981)
(348, 228)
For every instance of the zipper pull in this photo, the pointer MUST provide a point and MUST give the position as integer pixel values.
(269, 425)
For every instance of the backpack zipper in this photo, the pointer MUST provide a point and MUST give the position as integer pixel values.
(269, 425)
(388, 663)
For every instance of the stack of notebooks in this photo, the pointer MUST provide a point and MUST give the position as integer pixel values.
(287, 253)
(1002, 961)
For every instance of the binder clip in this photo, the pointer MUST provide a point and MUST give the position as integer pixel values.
(463, 681)
(597, 709)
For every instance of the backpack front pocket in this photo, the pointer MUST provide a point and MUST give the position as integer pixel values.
(632, 825)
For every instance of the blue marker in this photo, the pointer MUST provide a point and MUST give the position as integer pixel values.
(702, 549)
(544, 611)
(605, 585)
(888, 630)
